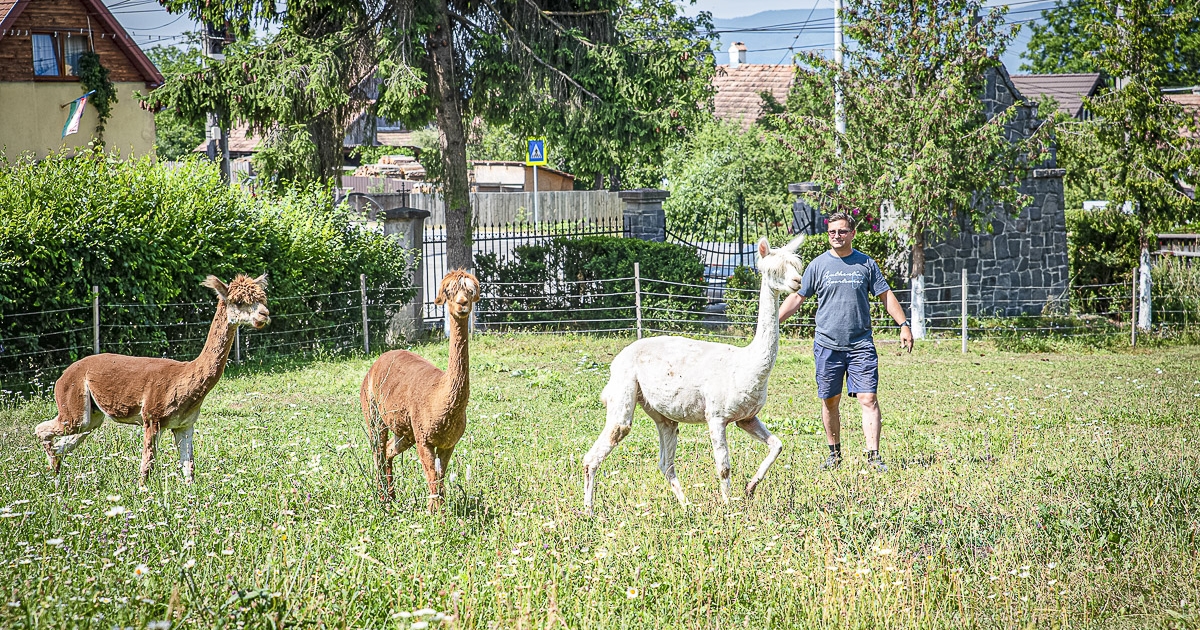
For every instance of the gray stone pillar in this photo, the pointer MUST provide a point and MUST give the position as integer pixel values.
(805, 217)
(643, 212)
(408, 224)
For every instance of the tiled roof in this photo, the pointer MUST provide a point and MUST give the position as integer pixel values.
(739, 89)
(1067, 89)
(6, 7)
(1189, 101)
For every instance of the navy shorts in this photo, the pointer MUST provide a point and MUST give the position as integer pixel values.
(858, 367)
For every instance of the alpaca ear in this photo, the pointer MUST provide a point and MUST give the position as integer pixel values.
(440, 299)
(795, 244)
(764, 247)
(261, 281)
(216, 285)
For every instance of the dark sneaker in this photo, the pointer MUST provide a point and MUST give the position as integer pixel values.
(875, 462)
(832, 462)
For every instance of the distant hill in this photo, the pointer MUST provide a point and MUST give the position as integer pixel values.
(772, 36)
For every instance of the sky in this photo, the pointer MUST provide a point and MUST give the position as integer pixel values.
(150, 25)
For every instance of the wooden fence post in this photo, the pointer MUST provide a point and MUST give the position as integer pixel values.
(95, 319)
(964, 310)
(362, 288)
(637, 296)
(1134, 312)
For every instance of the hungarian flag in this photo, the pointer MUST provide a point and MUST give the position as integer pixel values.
(77, 105)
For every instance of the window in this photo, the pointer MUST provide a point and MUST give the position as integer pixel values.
(57, 55)
(73, 47)
(45, 55)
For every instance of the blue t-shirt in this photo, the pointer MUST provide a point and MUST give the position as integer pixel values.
(843, 287)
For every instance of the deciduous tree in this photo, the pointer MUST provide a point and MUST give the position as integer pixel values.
(918, 137)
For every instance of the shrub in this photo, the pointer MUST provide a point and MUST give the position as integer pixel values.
(147, 235)
(555, 281)
(1176, 292)
(1102, 250)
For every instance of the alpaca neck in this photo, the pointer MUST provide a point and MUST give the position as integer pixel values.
(209, 366)
(457, 381)
(765, 346)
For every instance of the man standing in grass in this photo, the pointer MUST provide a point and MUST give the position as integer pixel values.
(843, 281)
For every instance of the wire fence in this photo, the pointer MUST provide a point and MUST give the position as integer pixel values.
(367, 319)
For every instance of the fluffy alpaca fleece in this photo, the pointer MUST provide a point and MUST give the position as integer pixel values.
(678, 380)
(419, 405)
(155, 393)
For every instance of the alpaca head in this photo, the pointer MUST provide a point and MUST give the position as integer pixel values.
(781, 268)
(459, 291)
(245, 299)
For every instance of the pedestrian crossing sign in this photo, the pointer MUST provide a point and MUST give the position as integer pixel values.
(535, 155)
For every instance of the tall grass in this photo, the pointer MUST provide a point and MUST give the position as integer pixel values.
(1025, 490)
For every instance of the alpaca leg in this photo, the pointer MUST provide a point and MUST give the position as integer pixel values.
(395, 446)
(668, 438)
(759, 431)
(149, 447)
(183, 442)
(429, 463)
(716, 430)
(620, 420)
(442, 465)
(383, 463)
(46, 433)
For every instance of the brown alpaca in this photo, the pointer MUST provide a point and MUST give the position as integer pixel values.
(419, 404)
(156, 393)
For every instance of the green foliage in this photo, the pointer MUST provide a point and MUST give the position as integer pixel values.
(1102, 250)
(176, 135)
(1138, 146)
(722, 171)
(565, 275)
(917, 134)
(94, 77)
(1070, 39)
(147, 235)
(1176, 293)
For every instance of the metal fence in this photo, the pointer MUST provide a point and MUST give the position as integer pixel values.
(353, 321)
(503, 242)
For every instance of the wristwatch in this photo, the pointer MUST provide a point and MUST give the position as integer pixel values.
(905, 323)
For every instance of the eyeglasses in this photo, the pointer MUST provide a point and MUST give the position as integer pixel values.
(839, 232)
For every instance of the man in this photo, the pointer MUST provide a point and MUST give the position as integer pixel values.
(843, 279)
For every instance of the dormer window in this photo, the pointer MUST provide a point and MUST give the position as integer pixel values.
(57, 56)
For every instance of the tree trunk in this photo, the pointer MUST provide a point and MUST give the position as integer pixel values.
(453, 141)
(324, 135)
(917, 286)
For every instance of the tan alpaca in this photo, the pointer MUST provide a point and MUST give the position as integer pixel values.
(407, 396)
(156, 393)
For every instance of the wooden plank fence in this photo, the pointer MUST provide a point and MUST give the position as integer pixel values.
(504, 208)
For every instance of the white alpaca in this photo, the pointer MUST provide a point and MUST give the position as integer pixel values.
(699, 382)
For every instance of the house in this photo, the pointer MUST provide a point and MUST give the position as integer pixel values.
(498, 176)
(1067, 90)
(740, 85)
(40, 45)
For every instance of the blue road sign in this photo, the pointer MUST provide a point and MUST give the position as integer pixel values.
(535, 155)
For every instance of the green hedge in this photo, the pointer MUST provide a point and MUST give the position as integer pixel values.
(147, 234)
(556, 281)
(742, 305)
(1102, 249)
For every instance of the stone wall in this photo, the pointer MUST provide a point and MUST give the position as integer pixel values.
(1020, 266)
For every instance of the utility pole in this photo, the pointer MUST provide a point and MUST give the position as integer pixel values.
(839, 111)
(214, 133)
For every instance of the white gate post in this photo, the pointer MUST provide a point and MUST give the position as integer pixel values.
(964, 310)
(1145, 291)
(917, 306)
(1133, 311)
(637, 296)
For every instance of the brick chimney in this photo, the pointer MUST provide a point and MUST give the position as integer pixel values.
(737, 54)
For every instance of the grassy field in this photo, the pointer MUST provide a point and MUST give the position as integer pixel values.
(1025, 490)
